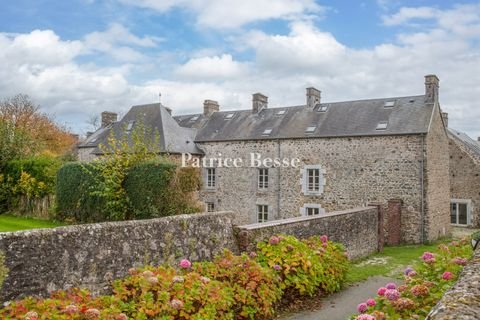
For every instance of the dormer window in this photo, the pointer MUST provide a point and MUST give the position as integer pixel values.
(229, 116)
(322, 107)
(382, 125)
(310, 129)
(130, 125)
(389, 104)
(266, 132)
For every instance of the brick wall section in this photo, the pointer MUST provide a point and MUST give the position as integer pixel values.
(359, 170)
(437, 180)
(462, 301)
(88, 256)
(465, 178)
(357, 229)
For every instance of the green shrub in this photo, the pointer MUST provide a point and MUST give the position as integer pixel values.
(74, 201)
(256, 289)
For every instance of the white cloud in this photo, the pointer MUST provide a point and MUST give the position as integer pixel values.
(221, 14)
(407, 14)
(216, 68)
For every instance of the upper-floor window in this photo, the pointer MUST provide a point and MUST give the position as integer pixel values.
(262, 213)
(210, 206)
(313, 180)
(262, 178)
(211, 178)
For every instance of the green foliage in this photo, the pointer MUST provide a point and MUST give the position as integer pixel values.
(256, 289)
(424, 284)
(74, 201)
(304, 265)
(15, 143)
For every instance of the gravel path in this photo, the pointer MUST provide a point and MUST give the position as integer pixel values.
(342, 305)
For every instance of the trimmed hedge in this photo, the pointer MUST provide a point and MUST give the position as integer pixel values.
(74, 201)
(153, 188)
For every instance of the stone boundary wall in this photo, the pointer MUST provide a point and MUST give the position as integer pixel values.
(462, 301)
(91, 255)
(357, 229)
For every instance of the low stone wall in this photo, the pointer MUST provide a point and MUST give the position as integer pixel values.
(462, 301)
(90, 256)
(357, 229)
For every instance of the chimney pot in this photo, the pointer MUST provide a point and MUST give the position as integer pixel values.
(209, 107)
(108, 118)
(431, 88)
(313, 97)
(259, 102)
(445, 118)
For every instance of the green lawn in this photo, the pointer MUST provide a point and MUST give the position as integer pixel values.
(391, 262)
(13, 223)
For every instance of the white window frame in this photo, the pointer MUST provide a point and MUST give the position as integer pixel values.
(262, 178)
(468, 202)
(208, 204)
(210, 179)
(306, 206)
(321, 181)
(260, 210)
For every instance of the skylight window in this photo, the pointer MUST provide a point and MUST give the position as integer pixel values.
(229, 115)
(322, 108)
(382, 125)
(266, 132)
(389, 104)
(310, 129)
(130, 125)
(280, 112)
(194, 118)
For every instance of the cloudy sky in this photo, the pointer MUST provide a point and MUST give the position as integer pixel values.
(78, 58)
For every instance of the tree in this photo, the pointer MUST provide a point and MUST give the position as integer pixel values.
(25, 131)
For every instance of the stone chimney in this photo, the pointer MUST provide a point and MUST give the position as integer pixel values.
(445, 118)
(259, 102)
(209, 107)
(108, 118)
(431, 88)
(313, 97)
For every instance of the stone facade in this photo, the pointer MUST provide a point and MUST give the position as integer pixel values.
(357, 171)
(437, 180)
(465, 178)
(91, 255)
(357, 229)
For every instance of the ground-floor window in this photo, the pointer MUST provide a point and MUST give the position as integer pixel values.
(262, 213)
(210, 206)
(460, 212)
(311, 209)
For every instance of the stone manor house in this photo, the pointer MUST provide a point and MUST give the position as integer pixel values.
(351, 154)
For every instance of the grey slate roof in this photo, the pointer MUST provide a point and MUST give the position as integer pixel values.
(472, 145)
(409, 115)
(173, 137)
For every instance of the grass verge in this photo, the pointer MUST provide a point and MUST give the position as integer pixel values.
(13, 223)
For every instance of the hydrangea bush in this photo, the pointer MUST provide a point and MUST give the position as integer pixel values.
(424, 285)
(248, 286)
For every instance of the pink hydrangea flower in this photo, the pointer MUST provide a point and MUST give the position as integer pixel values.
(365, 317)
(362, 307)
(185, 264)
(274, 240)
(412, 274)
(371, 302)
(392, 294)
(205, 280)
(408, 270)
(252, 254)
(121, 316)
(324, 245)
(324, 238)
(391, 285)
(152, 280)
(447, 275)
(71, 309)
(92, 313)
(132, 271)
(147, 274)
(178, 279)
(460, 261)
(277, 267)
(176, 304)
(381, 291)
(428, 257)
